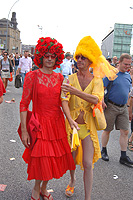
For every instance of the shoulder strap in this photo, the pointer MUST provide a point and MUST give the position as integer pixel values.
(109, 88)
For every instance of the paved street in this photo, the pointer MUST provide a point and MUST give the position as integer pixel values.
(13, 172)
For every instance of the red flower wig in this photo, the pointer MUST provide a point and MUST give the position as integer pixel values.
(51, 45)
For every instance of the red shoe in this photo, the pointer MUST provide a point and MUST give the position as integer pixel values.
(45, 196)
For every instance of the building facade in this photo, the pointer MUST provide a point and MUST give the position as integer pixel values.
(30, 48)
(10, 35)
(118, 41)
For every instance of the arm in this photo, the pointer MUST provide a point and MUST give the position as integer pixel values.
(25, 134)
(20, 65)
(73, 91)
(24, 104)
(1, 99)
(130, 106)
(68, 115)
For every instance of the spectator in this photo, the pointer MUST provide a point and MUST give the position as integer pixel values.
(12, 61)
(109, 60)
(117, 107)
(25, 65)
(67, 65)
(16, 58)
(114, 61)
(130, 106)
(5, 67)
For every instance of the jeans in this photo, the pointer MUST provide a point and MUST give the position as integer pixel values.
(23, 77)
(15, 69)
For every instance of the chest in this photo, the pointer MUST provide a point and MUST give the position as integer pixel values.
(84, 82)
(122, 82)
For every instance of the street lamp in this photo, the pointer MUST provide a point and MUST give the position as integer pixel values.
(40, 27)
(7, 22)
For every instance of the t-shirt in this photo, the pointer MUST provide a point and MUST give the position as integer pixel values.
(120, 88)
(2, 89)
(66, 67)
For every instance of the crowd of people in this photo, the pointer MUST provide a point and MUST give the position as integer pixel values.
(88, 74)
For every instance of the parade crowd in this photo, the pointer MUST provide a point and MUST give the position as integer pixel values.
(66, 91)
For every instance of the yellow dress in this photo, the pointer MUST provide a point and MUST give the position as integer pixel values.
(76, 105)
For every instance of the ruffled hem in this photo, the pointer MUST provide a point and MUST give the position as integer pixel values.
(54, 148)
(46, 168)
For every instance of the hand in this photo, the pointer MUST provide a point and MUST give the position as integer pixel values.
(104, 105)
(68, 88)
(130, 114)
(73, 124)
(26, 139)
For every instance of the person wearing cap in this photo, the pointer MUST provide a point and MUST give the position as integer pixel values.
(83, 92)
(50, 157)
(67, 65)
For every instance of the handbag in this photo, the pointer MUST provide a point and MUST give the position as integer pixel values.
(11, 78)
(32, 123)
(98, 114)
(18, 81)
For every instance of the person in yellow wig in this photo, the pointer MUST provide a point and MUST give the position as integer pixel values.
(83, 92)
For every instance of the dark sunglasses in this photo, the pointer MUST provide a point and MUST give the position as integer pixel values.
(53, 56)
(5, 54)
(82, 57)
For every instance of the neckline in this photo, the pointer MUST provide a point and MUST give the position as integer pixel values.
(45, 73)
(80, 85)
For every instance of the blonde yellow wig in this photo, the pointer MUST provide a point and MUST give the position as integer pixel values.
(101, 67)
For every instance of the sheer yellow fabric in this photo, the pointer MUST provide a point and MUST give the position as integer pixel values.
(76, 104)
(102, 68)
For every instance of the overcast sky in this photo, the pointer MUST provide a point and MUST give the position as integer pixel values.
(68, 21)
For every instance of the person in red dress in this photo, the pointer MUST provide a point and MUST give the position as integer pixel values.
(50, 157)
(2, 91)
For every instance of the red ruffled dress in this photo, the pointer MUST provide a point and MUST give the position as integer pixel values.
(50, 156)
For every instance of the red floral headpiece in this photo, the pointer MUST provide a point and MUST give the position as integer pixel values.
(51, 45)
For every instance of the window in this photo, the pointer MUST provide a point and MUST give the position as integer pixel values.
(0, 41)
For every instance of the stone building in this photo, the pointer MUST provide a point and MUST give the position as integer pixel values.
(10, 35)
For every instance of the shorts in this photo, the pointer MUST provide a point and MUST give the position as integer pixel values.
(117, 116)
(5, 74)
(83, 132)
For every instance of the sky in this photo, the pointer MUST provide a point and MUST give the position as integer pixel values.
(68, 21)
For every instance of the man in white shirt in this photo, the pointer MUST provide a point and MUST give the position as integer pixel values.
(25, 65)
(67, 65)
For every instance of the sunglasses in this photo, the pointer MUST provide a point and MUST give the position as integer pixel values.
(82, 57)
(53, 56)
(5, 54)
